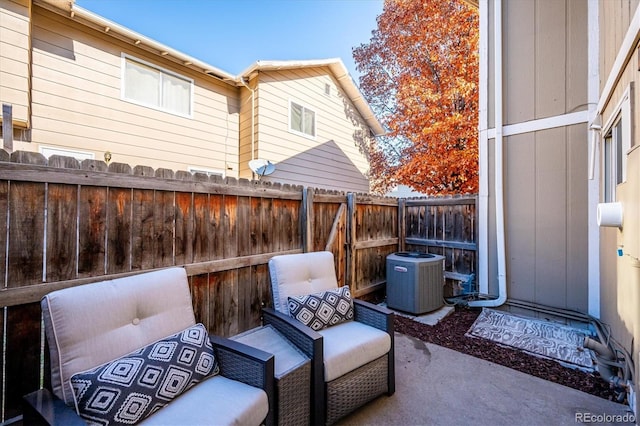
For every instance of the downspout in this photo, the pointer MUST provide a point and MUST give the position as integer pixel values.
(499, 167)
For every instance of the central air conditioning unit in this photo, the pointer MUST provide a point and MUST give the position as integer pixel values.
(415, 282)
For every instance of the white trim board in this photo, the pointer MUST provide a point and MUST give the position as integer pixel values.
(542, 124)
(622, 58)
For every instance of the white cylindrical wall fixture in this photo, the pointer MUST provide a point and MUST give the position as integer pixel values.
(610, 214)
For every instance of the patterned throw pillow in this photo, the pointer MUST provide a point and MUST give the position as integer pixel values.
(322, 310)
(129, 389)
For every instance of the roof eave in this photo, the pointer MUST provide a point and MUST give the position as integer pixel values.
(97, 22)
(341, 74)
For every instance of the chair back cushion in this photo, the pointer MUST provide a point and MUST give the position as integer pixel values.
(92, 324)
(299, 274)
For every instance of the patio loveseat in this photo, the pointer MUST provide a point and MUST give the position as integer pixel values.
(129, 351)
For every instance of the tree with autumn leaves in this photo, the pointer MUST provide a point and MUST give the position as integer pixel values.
(419, 73)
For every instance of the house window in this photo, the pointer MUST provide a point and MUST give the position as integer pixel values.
(48, 151)
(617, 142)
(150, 86)
(208, 172)
(302, 120)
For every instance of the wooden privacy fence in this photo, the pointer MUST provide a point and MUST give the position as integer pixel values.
(65, 223)
(444, 226)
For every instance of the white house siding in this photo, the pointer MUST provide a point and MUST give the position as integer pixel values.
(14, 57)
(332, 160)
(77, 105)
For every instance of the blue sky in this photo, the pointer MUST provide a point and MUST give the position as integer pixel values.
(233, 34)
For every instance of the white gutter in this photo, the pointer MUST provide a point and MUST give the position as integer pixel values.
(593, 184)
(499, 166)
(483, 151)
(120, 32)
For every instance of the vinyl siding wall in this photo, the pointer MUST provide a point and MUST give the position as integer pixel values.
(333, 159)
(14, 57)
(77, 104)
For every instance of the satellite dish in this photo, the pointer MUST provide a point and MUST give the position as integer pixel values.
(262, 167)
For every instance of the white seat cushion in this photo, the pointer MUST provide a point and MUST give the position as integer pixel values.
(215, 401)
(350, 345)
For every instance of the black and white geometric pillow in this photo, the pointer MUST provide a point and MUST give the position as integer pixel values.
(129, 389)
(324, 309)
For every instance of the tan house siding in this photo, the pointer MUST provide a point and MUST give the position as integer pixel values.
(545, 191)
(77, 104)
(614, 17)
(544, 59)
(14, 57)
(620, 275)
(546, 218)
(330, 160)
(68, 71)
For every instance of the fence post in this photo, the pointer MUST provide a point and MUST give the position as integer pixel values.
(7, 127)
(307, 219)
(351, 241)
(401, 224)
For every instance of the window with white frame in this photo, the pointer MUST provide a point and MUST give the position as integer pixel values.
(48, 151)
(208, 172)
(302, 120)
(617, 142)
(148, 85)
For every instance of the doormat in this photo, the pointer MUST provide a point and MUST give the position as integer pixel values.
(536, 337)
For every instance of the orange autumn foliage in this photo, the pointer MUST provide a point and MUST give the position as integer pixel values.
(419, 73)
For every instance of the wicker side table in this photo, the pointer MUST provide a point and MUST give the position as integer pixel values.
(292, 374)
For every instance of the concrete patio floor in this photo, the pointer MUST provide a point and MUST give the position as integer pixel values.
(438, 386)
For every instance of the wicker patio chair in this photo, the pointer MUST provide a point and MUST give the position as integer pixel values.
(128, 351)
(353, 361)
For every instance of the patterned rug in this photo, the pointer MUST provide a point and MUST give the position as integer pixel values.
(537, 337)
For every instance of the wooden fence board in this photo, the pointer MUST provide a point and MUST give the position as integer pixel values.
(200, 246)
(119, 230)
(255, 225)
(294, 236)
(26, 233)
(262, 286)
(92, 225)
(268, 232)
(164, 215)
(142, 230)
(22, 367)
(230, 230)
(246, 318)
(216, 229)
(184, 228)
(223, 303)
(4, 217)
(199, 285)
(62, 204)
(243, 217)
(279, 213)
(3, 336)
